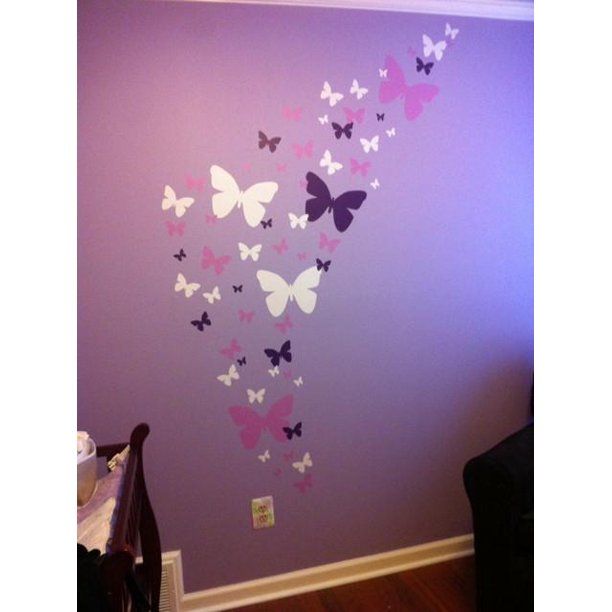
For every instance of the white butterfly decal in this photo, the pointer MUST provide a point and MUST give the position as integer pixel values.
(230, 195)
(275, 371)
(327, 93)
(265, 457)
(245, 252)
(301, 466)
(294, 221)
(358, 91)
(232, 374)
(298, 382)
(375, 184)
(429, 47)
(391, 132)
(326, 161)
(256, 396)
(213, 295)
(382, 73)
(183, 285)
(323, 120)
(369, 144)
(452, 32)
(170, 200)
(281, 292)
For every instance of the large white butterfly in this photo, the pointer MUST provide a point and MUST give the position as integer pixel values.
(281, 292)
(215, 294)
(358, 91)
(245, 252)
(265, 457)
(170, 200)
(183, 285)
(327, 93)
(294, 221)
(326, 161)
(369, 144)
(452, 32)
(231, 195)
(429, 47)
(256, 396)
(390, 132)
(301, 466)
(323, 120)
(232, 374)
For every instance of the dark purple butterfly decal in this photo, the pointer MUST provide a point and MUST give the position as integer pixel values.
(237, 288)
(283, 353)
(295, 431)
(347, 130)
(380, 116)
(323, 201)
(324, 265)
(242, 361)
(180, 255)
(267, 223)
(423, 66)
(271, 143)
(200, 323)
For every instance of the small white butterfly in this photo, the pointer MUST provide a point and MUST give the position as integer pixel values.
(298, 382)
(183, 285)
(429, 47)
(274, 371)
(452, 32)
(280, 291)
(256, 397)
(265, 457)
(375, 184)
(232, 374)
(323, 120)
(358, 91)
(326, 161)
(245, 252)
(391, 132)
(369, 144)
(382, 73)
(294, 221)
(213, 295)
(170, 201)
(327, 93)
(301, 466)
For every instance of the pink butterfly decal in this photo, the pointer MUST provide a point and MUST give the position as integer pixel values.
(281, 247)
(287, 375)
(277, 472)
(326, 243)
(284, 325)
(210, 261)
(304, 484)
(281, 167)
(175, 228)
(411, 52)
(302, 256)
(354, 116)
(233, 350)
(246, 316)
(396, 87)
(195, 183)
(248, 166)
(253, 425)
(293, 114)
(303, 151)
(288, 456)
(210, 219)
(302, 183)
(356, 167)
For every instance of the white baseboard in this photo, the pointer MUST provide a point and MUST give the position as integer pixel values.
(325, 576)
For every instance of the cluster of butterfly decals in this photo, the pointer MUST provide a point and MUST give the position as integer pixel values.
(267, 417)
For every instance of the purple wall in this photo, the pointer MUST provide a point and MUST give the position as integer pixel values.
(419, 352)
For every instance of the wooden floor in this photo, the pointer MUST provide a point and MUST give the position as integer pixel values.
(444, 587)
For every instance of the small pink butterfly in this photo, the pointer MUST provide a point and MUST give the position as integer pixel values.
(281, 167)
(287, 374)
(356, 116)
(284, 325)
(210, 219)
(288, 456)
(302, 256)
(246, 316)
(248, 166)
(232, 350)
(281, 247)
(361, 168)
(175, 228)
(293, 114)
(411, 52)
(277, 472)
(302, 183)
(303, 151)
(326, 243)
(210, 261)
(195, 183)
(304, 484)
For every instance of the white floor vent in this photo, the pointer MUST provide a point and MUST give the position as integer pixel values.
(171, 592)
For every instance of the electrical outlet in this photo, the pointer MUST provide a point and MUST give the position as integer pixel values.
(262, 510)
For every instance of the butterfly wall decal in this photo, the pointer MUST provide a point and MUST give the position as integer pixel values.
(369, 145)
(303, 150)
(265, 457)
(323, 265)
(360, 168)
(227, 379)
(202, 321)
(382, 73)
(380, 116)
(292, 114)
(298, 382)
(295, 221)
(274, 371)
(182, 285)
(305, 484)
(180, 255)
(230, 195)
(281, 167)
(256, 396)
(210, 219)
(322, 201)
(452, 32)
(215, 294)
(246, 316)
(246, 252)
(391, 132)
(437, 49)
(266, 224)
(347, 130)
(302, 255)
(323, 120)
(281, 247)
(216, 263)
(284, 352)
(301, 466)
(353, 116)
(242, 361)
(170, 200)
(175, 228)
(360, 92)
(422, 66)
(232, 350)
(375, 184)
(237, 288)
(281, 292)
(328, 94)
(271, 143)
(330, 244)
(293, 431)
(284, 325)
(327, 162)
(195, 183)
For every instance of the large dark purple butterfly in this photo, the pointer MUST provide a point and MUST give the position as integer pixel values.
(347, 130)
(204, 320)
(323, 201)
(271, 143)
(295, 431)
(283, 353)
(180, 255)
(325, 265)
(421, 65)
(267, 223)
